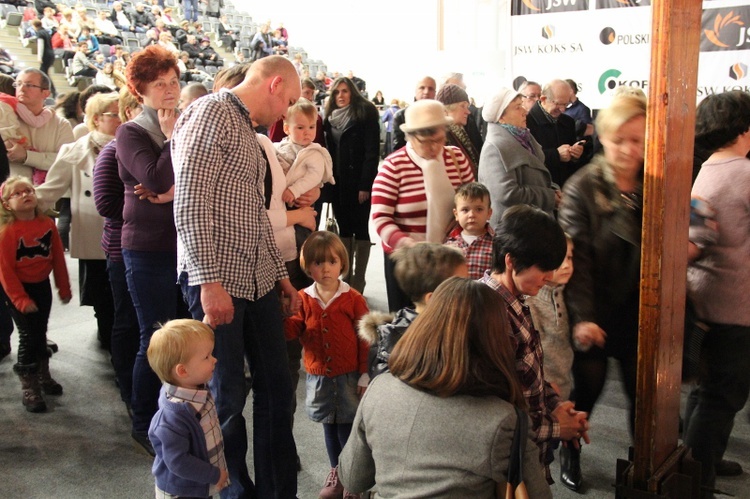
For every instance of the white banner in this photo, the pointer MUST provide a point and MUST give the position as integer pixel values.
(603, 44)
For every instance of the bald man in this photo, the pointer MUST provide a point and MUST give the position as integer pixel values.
(191, 92)
(426, 88)
(556, 131)
(229, 266)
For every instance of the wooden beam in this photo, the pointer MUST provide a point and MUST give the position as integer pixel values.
(669, 154)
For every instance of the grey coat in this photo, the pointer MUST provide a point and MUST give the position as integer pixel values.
(513, 175)
(408, 443)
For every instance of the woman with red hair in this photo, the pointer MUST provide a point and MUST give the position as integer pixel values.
(149, 238)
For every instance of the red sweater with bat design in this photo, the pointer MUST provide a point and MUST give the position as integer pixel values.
(29, 251)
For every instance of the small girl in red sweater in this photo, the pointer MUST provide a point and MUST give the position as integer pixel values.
(30, 249)
(335, 358)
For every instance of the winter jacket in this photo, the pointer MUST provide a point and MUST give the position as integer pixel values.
(382, 331)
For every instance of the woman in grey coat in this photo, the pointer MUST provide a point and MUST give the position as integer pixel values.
(441, 423)
(511, 164)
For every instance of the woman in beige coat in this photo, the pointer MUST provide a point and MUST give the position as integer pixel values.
(73, 171)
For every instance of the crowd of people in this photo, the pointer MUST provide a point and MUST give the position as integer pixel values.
(511, 237)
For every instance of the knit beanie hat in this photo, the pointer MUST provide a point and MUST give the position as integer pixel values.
(452, 94)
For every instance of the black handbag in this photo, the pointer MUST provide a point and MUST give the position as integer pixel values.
(515, 488)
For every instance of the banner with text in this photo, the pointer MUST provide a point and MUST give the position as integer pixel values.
(602, 48)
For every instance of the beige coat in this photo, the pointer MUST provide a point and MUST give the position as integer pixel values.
(74, 170)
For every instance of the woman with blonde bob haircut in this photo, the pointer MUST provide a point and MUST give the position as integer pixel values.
(602, 211)
(453, 369)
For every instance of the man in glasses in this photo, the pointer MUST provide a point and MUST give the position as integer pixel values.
(43, 140)
(556, 131)
(530, 92)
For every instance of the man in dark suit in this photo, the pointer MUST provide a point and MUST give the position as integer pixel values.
(556, 132)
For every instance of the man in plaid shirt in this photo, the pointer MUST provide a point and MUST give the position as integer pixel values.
(474, 234)
(528, 246)
(229, 266)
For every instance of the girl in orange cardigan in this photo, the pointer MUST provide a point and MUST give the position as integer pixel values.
(335, 358)
(30, 249)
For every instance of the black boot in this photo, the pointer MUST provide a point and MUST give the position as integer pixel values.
(570, 467)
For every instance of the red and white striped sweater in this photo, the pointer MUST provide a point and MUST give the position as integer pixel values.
(399, 200)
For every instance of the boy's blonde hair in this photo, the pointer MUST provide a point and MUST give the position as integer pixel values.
(304, 107)
(319, 247)
(472, 190)
(171, 345)
(6, 214)
(421, 268)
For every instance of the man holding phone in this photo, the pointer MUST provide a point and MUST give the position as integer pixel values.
(556, 132)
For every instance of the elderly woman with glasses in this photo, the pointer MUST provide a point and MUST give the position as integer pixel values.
(73, 171)
(511, 164)
(412, 196)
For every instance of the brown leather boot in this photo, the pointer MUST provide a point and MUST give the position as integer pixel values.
(32, 393)
(49, 385)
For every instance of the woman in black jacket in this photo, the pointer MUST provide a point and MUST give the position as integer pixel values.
(601, 210)
(352, 129)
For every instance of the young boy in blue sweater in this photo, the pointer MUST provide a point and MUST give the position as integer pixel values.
(185, 431)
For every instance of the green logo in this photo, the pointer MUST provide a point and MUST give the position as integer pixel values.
(607, 81)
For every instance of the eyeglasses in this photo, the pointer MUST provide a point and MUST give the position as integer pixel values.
(430, 142)
(111, 115)
(23, 193)
(21, 84)
(560, 105)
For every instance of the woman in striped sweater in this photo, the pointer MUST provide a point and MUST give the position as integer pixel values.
(412, 196)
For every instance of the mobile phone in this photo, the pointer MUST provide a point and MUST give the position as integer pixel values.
(580, 142)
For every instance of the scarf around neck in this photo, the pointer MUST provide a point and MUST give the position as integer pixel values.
(149, 121)
(341, 118)
(522, 135)
(439, 193)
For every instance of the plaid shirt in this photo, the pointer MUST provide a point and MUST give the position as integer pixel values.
(204, 406)
(539, 394)
(224, 234)
(478, 254)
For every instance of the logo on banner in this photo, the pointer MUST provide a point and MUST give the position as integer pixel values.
(611, 79)
(548, 32)
(523, 7)
(614, 4)
(725, 29)
(738, 71)
(609, 36)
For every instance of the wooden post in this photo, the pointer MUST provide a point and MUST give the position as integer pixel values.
(669, 155)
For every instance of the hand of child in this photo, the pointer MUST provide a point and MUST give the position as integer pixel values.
(287, 196)
(308, 198)
(586, 334)
(30, 308)
(290, 298)
(223, 479)
(65, 299)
